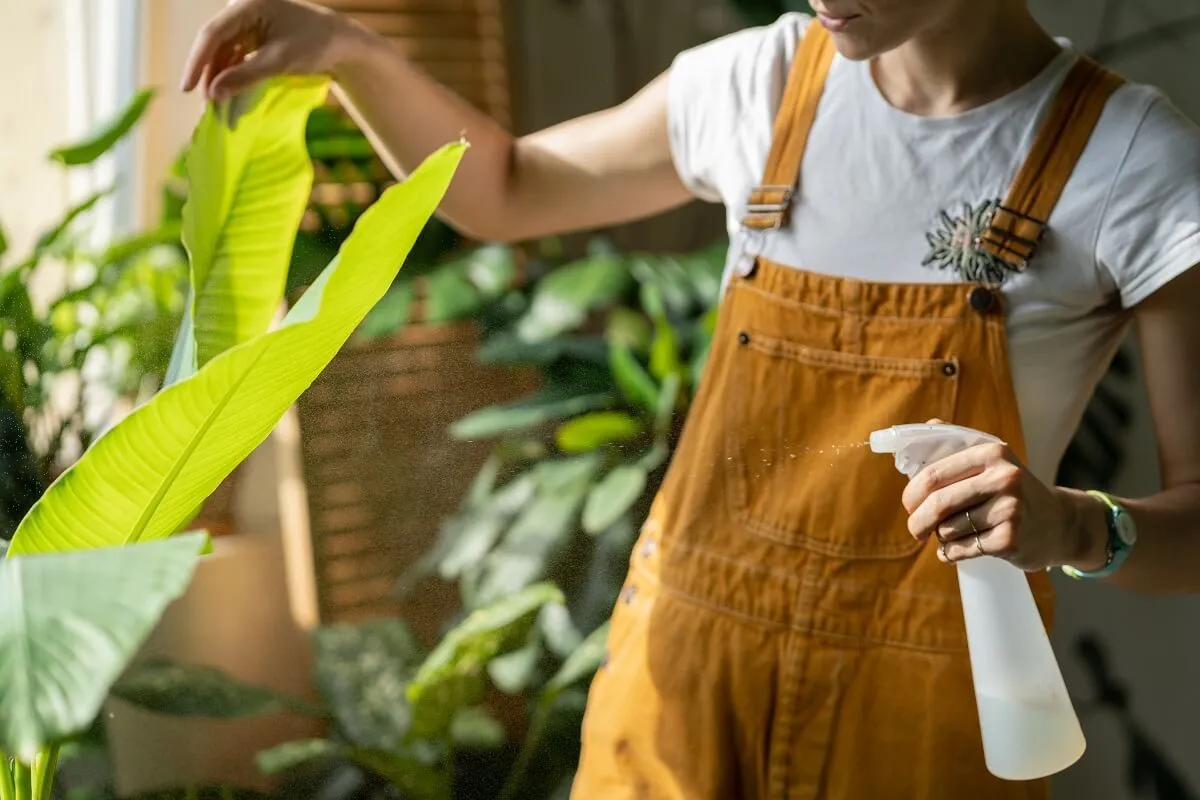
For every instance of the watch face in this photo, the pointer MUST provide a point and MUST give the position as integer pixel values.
(1125, 528)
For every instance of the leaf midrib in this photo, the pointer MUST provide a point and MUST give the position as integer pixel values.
(169, 479)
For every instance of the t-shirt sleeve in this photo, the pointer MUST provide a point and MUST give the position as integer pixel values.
(722, 96)
(1150, 230)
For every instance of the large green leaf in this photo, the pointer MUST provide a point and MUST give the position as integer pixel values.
(249, 181)
(187, 690)
(452, 678)
(143, 479)
(69, 623)
(107, 134)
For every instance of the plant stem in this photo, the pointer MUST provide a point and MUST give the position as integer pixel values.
(44, 768)
(8, 789)
(23, 778)
(516, 776)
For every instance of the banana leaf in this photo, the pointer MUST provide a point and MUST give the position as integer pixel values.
(69, 623)
(147, 475)
(249, 180)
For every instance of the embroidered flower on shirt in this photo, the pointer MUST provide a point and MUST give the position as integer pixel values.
(952, 246)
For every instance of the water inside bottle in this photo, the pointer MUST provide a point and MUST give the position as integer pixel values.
(1024, 741)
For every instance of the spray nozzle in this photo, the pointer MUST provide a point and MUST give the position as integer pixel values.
(920, 444)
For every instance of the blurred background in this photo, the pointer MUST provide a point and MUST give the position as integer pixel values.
(500, 422)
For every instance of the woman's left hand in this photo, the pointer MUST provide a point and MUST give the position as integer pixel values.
(984, 501)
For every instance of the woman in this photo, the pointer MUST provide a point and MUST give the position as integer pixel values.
(936, 210)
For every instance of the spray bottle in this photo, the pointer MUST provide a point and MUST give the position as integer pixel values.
(1029, 726)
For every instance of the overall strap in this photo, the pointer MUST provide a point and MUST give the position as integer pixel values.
(770, 202)
(1018, 224)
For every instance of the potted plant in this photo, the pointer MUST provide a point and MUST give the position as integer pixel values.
(93, 564)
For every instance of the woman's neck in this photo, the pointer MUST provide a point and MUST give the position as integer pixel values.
(957, 64)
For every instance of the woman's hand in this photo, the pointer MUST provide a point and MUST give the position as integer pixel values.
(984, 501)
(253, 40)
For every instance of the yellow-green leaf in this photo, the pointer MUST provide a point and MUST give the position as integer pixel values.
(142, 479)
(249, 180)
(591, 431)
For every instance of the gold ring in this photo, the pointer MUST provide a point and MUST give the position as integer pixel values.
(971, 522)
(979, 545)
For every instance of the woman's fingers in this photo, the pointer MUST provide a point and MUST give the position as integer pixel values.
(953, 468)
(220, 31)
(989, 514)
(999, 541)
(261, 64)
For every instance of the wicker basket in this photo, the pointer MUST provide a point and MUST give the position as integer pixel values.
(382, 471)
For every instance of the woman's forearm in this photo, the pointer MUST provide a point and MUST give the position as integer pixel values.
(602, 169)
(1168, 525)
(407, 116)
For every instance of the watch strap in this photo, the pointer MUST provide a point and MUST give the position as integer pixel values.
(1116, 549)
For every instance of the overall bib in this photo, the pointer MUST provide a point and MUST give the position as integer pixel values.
(781, 635)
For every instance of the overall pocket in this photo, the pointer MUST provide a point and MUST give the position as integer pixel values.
(796, 428)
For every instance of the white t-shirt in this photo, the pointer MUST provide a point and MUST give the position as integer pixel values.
(875, 182)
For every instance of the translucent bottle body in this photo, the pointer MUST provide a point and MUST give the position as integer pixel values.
(1029, 727)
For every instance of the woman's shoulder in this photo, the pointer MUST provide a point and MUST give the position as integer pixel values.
(1149, 230)
(721, 101)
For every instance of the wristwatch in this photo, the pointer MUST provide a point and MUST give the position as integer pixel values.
(1122, 535)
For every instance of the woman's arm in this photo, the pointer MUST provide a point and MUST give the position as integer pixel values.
(610, 167)
(1166, 558)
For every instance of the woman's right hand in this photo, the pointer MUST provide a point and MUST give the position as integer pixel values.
(252, 40)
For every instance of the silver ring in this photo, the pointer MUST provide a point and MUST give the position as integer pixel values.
(971, 522)
(979, 545)
(942, 550)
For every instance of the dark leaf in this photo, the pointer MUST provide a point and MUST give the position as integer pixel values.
(544, 406)
(510, 349)
(101, 140)
(669, 280)
(476, 729)
(181, 690)
(418, 779)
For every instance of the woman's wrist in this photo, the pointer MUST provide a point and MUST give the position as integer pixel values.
(1086, 532)
(352, 46)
